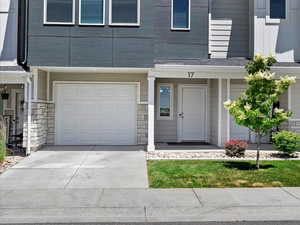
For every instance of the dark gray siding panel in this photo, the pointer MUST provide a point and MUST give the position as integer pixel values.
(191, 44)
(106, 46)
(99, 52)
(230, 28)
(48, 51)
(36, 26)
(199, 24)
(180, 51)
(130, 51)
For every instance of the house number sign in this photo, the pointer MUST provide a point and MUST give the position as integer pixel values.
(191, 74)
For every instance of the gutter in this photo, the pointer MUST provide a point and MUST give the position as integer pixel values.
(22, 56)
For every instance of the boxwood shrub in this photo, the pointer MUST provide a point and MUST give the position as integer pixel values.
(286, 142)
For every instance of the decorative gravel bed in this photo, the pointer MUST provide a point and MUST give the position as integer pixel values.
(206, 155)
(9, 161)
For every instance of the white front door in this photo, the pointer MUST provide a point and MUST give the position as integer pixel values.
(96, 114)
(192, 113)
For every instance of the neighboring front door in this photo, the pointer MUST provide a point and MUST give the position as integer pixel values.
(192, 113)
(18, 104)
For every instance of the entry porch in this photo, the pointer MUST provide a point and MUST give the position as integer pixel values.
(186, 107)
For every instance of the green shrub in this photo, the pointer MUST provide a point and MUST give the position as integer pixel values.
(287, 142)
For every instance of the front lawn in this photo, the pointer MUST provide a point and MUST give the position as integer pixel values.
(209, 174)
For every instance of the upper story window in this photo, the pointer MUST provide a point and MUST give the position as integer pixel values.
(91, 12)
(180, 14)
(277, 9)
(59, 11)
(124, 12)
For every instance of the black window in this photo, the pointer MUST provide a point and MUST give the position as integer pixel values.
(277, 9)
(59, 11)
(124, 11)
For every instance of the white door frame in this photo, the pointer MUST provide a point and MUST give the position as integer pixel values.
(54, 94)
(179, 107)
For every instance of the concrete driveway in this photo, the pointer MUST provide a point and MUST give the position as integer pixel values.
(79, 167)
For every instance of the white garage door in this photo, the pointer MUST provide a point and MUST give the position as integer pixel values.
(95, 114)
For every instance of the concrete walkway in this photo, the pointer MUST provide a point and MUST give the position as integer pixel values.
(84, 184)
(154, 205)
(78, 167)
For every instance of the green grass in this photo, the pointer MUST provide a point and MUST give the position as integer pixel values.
(209, 174)
(2, 150)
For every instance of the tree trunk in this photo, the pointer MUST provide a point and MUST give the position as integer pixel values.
(258, 150)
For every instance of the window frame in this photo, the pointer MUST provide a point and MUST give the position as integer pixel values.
(92, 24)
(268, 13)
(171, 117)
(125, 24)
(172, 18)
(58, 23)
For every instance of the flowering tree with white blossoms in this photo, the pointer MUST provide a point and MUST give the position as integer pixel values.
(254, 108)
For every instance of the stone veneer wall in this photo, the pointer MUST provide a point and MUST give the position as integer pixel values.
(39, 124)
(51, 124)
(142, 124)
(43, 125)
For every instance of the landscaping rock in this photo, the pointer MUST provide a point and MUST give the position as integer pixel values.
(9, 161)
(217, 155)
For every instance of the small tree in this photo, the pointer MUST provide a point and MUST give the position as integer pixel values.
(254, 109)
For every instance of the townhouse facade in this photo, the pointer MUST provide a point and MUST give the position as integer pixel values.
(13, 78)
(139, 72)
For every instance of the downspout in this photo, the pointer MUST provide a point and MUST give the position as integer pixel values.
(209, 27)
(22, 61)
(29, 106)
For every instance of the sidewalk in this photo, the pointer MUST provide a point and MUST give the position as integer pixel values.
(140, 205)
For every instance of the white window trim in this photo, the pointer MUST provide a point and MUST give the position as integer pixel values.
(270, 20)
(172, 17)
(58, 23)
(92, 24)
(125, 24)
(171, 102)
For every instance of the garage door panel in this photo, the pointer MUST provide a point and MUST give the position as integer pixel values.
(98, 114)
